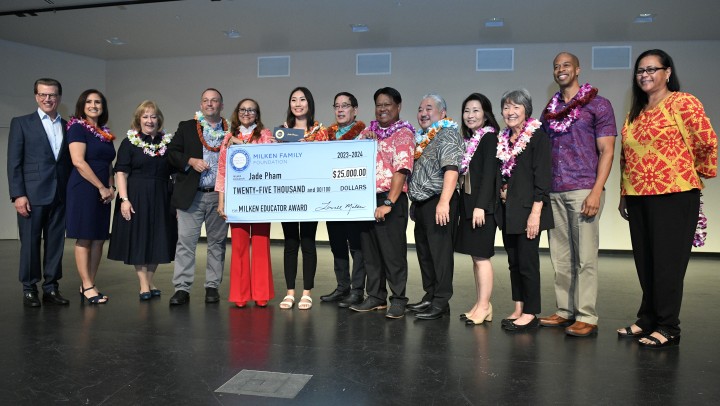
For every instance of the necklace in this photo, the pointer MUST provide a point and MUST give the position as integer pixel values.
(384, 133)
(103, 134)
(560, 121)
(150, 149)
(471, 146)
(422, 138)
(507, 155)
(349, 132)
(204, 127)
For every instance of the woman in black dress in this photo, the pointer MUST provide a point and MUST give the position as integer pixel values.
(478, 169)
(90, 188)
(144, 226)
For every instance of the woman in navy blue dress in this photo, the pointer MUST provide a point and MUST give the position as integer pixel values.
(90, 188)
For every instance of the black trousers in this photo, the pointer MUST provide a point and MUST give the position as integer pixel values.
(524, 263)
(300, 235)
(384, 247)
(46, 223)
(435, 250)
(661, 230)
(344, 235)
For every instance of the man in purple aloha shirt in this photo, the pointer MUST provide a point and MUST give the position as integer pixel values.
(581, 126)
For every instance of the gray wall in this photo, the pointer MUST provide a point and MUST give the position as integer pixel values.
(176, 84)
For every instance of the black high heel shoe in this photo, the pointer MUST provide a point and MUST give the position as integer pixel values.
(92, 300)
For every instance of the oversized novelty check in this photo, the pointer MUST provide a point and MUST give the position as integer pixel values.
(300, 181)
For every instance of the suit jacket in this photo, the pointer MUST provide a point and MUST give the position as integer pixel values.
(530, 182)
(484, 179)
(185, 145)
(32, 169)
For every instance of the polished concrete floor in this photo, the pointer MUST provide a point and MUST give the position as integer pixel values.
(129, 352)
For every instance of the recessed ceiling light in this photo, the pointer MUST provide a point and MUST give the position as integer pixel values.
(644, 18)
(232, 34)
(359, 28)
(115, 41)
(494, 22)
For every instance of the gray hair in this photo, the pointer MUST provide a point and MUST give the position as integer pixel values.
(518, 96)
(439, 101)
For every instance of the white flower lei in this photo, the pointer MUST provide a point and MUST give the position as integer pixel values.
(150, 149)
(207, 128)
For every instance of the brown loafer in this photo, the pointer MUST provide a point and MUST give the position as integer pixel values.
(580, 329)
(555, 321)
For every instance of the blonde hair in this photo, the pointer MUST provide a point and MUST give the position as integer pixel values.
(140, 110)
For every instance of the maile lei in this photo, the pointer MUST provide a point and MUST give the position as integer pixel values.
(560, 121)
(509, 155)
(422, 138)
(383, 133)
(204, 126)
(147, 148)
(350, 134)
(471, 146)
(102, 133)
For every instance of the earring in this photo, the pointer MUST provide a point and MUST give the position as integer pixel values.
(667, 80)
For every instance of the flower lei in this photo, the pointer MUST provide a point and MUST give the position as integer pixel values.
(508, 156)
(350, 134)
(700, 234)
(203, 125)
(471, 146)
(422, 138)
(310, 135)
(103, 134)
(150, 149)
(383, 133)
(560, 121)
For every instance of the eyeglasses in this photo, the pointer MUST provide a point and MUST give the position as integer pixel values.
(247, 112)
(650, 70)
(51, 96)
(343, 106)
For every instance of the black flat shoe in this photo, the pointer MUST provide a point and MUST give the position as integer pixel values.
(505, 322)
(30, 299)
(433, 313)
(534, 323)
(155, 292)
(54, 297)
(655, 343)
(463, 316)
(145, 296)
(419, 307)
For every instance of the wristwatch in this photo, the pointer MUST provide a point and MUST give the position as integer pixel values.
(124, 199)
(388, 203)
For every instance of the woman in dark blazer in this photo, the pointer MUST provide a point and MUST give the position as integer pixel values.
(525, 170)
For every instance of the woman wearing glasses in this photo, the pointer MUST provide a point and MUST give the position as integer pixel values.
(250, 275)
(668, 145)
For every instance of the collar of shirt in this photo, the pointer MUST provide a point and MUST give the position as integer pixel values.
(43, 115)
(245, 130)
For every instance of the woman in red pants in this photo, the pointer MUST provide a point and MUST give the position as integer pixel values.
(250, 275)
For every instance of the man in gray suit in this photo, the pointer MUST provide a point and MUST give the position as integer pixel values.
(38, 167)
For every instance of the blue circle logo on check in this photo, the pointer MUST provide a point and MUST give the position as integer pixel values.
(240, 160)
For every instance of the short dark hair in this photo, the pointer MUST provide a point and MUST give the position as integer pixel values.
(487, 112)
(388, 91)
(80, 106)
(290, 117)
(214, 90)
(353, 99)
(48, 82)
(639, 97)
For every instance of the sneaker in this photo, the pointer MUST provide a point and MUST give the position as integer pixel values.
(396, 310)
(371, 303)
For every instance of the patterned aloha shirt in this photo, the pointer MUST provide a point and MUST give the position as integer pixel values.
(394, 154)
(446, 149)
(656, 159)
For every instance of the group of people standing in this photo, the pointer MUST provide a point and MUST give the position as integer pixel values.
(456, 182)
